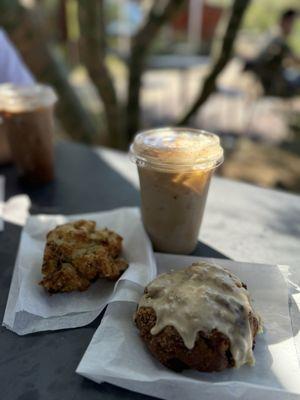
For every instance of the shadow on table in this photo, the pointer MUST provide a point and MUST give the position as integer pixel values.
(287, 219)
(9, 243)
(204, 250)
(278, 213)
(83, 183)
(111, 392)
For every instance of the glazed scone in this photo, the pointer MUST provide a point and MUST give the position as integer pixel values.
(76, 254)
(199, 317)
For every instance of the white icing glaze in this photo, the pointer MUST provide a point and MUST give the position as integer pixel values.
(203, 297)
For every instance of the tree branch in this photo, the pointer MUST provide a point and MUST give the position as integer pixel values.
(26, 28)
(92, 52)
(160, 13)
(209, 85)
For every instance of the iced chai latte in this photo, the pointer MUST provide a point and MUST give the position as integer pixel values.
(27, 112)
(175, 166)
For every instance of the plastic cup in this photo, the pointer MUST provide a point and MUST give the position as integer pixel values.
(27, 112)
(175, 166)
(5, 153)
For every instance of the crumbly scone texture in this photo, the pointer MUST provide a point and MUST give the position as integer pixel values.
(76, 254)
(211, 351)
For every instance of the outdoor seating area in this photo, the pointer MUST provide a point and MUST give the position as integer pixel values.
(149, 199)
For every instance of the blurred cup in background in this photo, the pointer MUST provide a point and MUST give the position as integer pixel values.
(5, 153)
(27, 113)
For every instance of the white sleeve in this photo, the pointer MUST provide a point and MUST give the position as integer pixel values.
(12, 68)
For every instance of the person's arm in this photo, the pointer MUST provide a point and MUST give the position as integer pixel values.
(12, 68)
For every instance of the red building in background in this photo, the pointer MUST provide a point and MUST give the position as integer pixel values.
(209, 17)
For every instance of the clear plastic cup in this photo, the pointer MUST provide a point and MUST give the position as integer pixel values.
(27, 112)
(5, 153)
(175, 166)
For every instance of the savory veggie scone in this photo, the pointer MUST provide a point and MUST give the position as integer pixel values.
(77, 254)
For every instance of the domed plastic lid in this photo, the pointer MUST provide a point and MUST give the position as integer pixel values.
(17, 98)
(177, 149)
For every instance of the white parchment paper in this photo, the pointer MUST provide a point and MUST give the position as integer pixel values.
(16, 209)
(30, 309)
(117, 355)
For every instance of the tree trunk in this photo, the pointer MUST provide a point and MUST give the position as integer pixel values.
(161, 12)
(26, 28)
(224, 54)
(93, 52)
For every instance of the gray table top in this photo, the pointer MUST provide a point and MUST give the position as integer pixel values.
(241, 222)
(42, 366)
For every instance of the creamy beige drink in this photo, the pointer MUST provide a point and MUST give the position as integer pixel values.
(27, 112)
(175, 166)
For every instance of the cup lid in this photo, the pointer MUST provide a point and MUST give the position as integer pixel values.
(18, 98)
(176, 149)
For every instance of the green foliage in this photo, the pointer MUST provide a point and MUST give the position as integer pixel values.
(262, 15)
(295, 38)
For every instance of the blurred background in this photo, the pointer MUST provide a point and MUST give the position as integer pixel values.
(118, 66)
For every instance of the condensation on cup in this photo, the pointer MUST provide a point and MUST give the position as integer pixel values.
(27, 113)
(175, 166)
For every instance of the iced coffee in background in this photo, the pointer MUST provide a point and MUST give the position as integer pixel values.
(27, 112)
(175, 166)
(5, 153)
